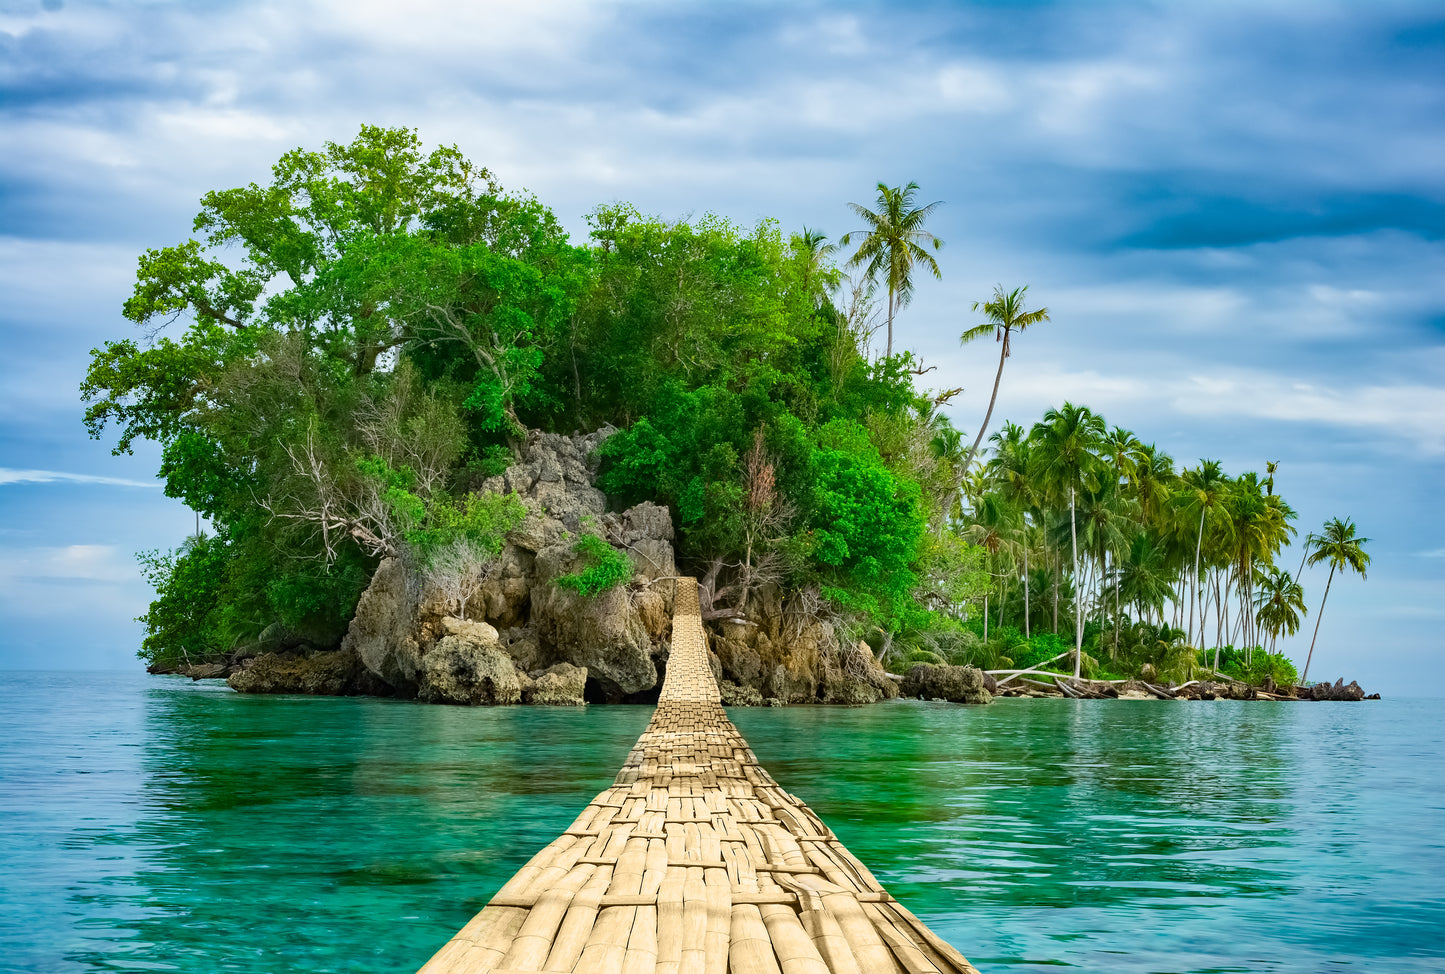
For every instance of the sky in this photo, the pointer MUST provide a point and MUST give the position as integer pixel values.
(1233, 211)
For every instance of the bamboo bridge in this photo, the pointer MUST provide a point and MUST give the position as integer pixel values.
(695, 862)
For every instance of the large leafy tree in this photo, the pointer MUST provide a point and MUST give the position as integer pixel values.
(894, 242)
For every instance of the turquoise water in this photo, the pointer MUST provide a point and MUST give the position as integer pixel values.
(152, 824)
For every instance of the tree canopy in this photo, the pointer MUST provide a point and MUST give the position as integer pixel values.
(339, 358)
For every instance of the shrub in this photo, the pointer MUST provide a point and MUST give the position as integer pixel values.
(606, 567)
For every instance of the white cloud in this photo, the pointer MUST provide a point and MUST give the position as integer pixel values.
(9, 475)
(77, 562)
(1406, 411)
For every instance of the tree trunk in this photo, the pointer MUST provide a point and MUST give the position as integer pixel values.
(1058, 570)
(1002, 354)
(1194, 585)
(1328, 582)
(1026, 589)
(1078, 602)
(985, 618)
(889, 353)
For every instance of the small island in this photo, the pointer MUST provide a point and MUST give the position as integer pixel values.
(446, 453)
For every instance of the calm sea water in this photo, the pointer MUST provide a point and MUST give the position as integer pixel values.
(152, 824)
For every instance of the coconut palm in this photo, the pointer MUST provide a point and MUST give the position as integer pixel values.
(893, 243)
(1065, 441)
(946, 447)
(994, 527)
(1010, 468)
(1279, 604)
(815, 250)
(1203, 490)
(1338, 544)
(1142, 577)
(1006, 315)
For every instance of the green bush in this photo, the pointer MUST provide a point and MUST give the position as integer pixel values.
(607, 567)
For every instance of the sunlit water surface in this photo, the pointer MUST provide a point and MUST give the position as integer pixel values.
(152, 824)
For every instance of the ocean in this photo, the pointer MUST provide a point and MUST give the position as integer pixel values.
(148, 823)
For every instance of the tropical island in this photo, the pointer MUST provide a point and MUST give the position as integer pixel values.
(448, 453)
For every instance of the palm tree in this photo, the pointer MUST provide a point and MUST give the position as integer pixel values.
(946, 447)
(1005, 315)
(1279, 604)
(1142, 577)
(1338, 545)
(994, 527)
(1203, 488)
(1065, 440)
(893, 243)
(1011, 470)
(813, 247)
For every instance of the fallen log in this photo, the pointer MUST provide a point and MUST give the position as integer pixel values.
(1162, 693)
(1065, 689)
(1031, 669)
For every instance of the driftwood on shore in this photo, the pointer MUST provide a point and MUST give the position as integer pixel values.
(1062, 685)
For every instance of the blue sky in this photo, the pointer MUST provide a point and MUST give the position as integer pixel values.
(1234, 211)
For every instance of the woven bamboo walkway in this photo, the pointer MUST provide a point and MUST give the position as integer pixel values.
(695, 862)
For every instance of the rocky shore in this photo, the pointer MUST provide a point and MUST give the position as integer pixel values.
(1051, 686)
(526, 639)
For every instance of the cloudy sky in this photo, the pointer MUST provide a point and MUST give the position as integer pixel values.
(1233, 210)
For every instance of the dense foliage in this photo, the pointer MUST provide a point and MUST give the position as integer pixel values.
(343, 354)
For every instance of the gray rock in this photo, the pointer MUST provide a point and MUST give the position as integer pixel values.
(339, 673)
(958, 684)
(522, 645)
(460, 671)
(736, 696)
(603, 633)
(560, 685)
(206, 671)
(383, 631)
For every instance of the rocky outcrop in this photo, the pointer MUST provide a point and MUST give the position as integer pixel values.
(1339, 690)
(736, 696)
(957, 684)
(383, 633)
(338, 673)
(528, 639)
(460, 670)
(602, 633)
(795, 658)
(556, 472)
(560, 685)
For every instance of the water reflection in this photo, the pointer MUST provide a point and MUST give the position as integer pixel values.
(339, 834)
(153, 824)
(1136, 836)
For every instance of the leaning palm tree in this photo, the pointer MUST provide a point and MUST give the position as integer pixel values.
(1006, 315)
(894, 243)
(1338, 545)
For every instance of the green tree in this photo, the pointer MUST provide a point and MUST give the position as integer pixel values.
(894, 242)
(1006, 315)
(1279, 603)
(1337, 544)
(1202, 490)
(1065, 443)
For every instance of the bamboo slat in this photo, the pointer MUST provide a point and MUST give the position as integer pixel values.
(695, 861)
